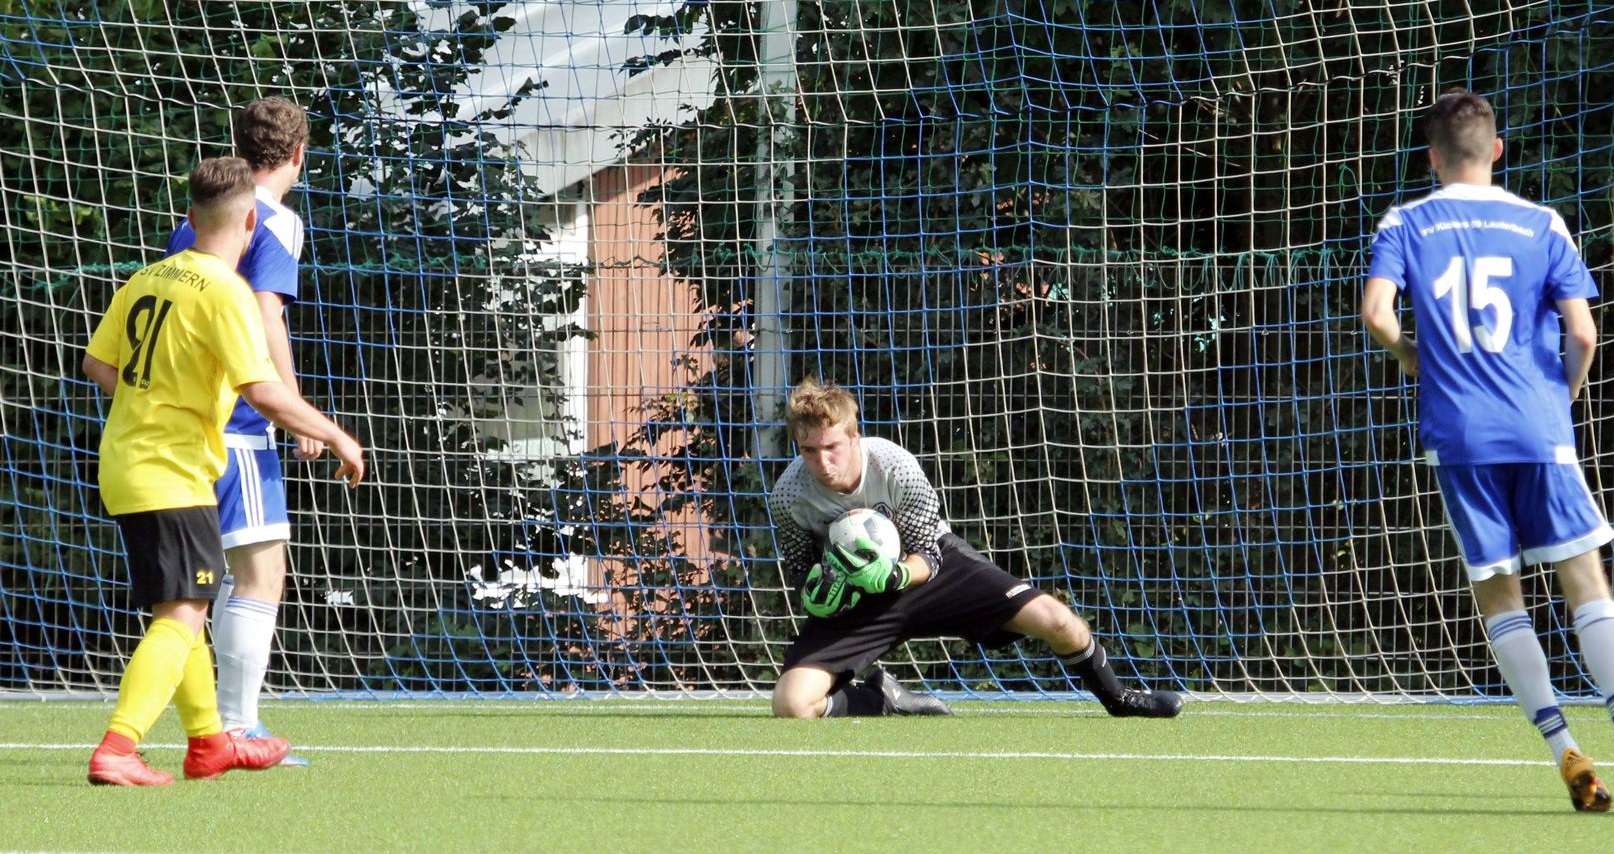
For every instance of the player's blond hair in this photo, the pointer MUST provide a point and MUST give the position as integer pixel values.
(222, 192)
(816, 406)
(268, 131)
(1462, 127)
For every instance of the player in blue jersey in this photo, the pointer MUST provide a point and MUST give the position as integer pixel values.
(1505, 341)
(272, 135)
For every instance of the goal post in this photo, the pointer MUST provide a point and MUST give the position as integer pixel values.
(1095, 263)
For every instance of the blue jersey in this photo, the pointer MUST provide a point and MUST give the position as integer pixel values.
(270, 264)
(1484, 269)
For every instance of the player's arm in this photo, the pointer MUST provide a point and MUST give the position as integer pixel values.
(289, 411)
(102, 352)
(1580, 342)
(918, 520)
(271, 266)
(917, 517)
(273, 308)
(1379, 316)
(1570, 286)
(797, 546)
(236, 337)
(919, 569)
(102, 374)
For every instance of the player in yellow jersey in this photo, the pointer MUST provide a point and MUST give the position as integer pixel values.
(181, 339)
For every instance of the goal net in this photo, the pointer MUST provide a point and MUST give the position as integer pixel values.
(1095, 263)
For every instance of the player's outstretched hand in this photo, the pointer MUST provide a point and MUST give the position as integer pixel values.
(351, 453)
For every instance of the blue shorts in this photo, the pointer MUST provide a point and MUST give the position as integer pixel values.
(1506, 515)
(252, 495)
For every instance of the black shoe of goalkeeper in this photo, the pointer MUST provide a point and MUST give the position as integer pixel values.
(899, 700)
(1137, 703)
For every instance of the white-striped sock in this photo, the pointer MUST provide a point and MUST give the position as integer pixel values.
(1524, 665)
(1594, 625)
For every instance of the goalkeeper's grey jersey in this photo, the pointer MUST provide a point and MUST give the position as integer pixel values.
(893, 484)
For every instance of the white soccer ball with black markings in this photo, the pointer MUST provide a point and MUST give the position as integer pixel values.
(850, 531)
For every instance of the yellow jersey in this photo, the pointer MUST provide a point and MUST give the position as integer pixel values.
(185, 334)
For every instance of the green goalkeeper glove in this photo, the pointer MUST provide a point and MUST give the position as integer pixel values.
(826, 592)
(866, 570)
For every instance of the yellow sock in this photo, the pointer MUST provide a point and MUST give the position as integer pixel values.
(197, 698)
(148, 683)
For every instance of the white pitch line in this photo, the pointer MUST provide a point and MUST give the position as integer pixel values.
(870, 754)
(986, 708)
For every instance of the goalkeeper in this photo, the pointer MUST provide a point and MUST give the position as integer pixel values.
(941, 585)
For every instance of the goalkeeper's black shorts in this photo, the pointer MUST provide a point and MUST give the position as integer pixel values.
(970, 597)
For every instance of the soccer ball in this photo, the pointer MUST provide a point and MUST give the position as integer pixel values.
(865, 524)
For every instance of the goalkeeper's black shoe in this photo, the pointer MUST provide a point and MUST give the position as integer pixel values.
(1138, 703)
(898, 700)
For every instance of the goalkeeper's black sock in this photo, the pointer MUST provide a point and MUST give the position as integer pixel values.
(1096, 674)
(855, 701)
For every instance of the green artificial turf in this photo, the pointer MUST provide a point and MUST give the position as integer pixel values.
(721, 776)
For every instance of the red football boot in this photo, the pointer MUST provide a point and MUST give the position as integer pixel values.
(116, 763)
(212, 755)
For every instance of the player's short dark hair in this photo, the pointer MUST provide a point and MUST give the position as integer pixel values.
(817, 406)
(219, 186)
(1461, 126)
(268, 130)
